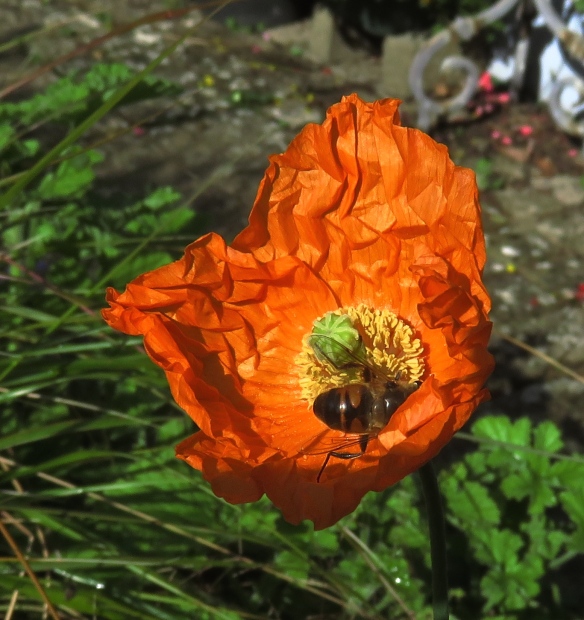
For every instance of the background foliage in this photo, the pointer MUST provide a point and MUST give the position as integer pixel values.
(115, 527)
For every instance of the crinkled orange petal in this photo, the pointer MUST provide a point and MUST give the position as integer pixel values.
(358, 210)
(228, 345)
(361, 191)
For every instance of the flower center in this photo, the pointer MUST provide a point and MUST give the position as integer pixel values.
(380, 342)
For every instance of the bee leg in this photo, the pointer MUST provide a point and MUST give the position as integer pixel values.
(326, 460)
(346, 456)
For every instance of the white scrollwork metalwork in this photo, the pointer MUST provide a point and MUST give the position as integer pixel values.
(568, 119)
(463, 29)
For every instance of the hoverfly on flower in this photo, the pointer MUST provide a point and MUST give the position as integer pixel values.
(358, 409)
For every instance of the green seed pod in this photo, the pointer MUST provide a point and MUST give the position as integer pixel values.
(335, 339)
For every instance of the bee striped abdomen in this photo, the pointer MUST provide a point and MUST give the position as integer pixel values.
(345, 409)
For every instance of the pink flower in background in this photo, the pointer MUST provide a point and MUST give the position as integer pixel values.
(486, 82)
(525, 130)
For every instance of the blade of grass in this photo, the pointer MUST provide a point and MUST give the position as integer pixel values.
(542, 356)
(86, 600)
(81, 405)
(314, 588)
(196, 603)
(28, 570)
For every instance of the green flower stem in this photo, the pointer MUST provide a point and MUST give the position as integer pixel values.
(437, 541)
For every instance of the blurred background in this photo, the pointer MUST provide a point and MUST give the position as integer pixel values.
(91, 495)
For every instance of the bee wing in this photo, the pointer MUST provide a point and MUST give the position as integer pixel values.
(357, 359)
(326, 445)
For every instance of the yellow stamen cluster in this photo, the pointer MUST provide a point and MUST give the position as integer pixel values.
(390, 348)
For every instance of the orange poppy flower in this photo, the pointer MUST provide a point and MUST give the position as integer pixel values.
(366, 225)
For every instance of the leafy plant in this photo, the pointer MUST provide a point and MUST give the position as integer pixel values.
(77, 94)
(511, 505)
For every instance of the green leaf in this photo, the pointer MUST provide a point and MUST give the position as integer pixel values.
(545, 542)
(500, 428)
(568, 474)
(477, 463)
(528, 483)
(513, 586)
(176, 220)
(6, 134)
(514, 486)
(510, 581)
(499, 547)
(484, 170)
(71, 178)
(573, 503)
(470, 504)
(63, 96)
(161, 197)
(546, 436)
(293, 564)
(30, 147)
(325, 542)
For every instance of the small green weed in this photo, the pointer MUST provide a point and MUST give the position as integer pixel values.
(487, 179)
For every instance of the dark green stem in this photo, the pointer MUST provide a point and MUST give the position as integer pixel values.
(437, 541)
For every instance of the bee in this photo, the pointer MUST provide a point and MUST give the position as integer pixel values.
(363, 409)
